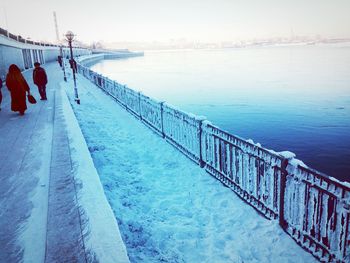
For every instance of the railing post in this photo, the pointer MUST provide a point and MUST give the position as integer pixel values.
(126, 99)
(345, 252)
(115, 91)
(140, 105)
(282, 191)
(99, 80)
(201, 162)
(107, 87)
(162, 118)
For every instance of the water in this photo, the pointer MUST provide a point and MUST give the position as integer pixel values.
(287, 98)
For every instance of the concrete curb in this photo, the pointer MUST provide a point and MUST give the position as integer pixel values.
(101, 232)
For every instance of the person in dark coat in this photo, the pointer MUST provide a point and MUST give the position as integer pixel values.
(18, 87)
(73, 65)
(60, 61)
(40, 79)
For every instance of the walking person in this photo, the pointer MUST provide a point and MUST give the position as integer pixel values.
(60, 60)
(40, 79)
(18, 87)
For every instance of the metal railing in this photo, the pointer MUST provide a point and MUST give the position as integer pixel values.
(313, 208)
(251, 171)
(31, 42)
(317, 213)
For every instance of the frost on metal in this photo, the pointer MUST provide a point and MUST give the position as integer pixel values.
(252, 172)
(317, 213)
(313, 208)
(151, 112)
(183, 131)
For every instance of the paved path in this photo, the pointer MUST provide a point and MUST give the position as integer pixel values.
(39, 216)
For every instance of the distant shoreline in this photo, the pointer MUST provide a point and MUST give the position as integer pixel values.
(304, 44)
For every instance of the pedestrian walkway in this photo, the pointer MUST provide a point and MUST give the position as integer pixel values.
(41, 218)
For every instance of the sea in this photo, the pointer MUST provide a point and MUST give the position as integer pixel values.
(290, 97)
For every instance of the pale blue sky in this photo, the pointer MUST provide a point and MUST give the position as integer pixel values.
(205, 20)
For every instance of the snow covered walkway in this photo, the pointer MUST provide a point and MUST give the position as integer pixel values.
(44, 215)
(167, 207)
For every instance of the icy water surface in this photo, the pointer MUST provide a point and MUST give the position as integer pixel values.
(287, 98)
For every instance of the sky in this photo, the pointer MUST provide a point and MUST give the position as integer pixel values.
(163, 20)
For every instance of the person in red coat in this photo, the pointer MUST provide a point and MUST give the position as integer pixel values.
(18, 87)
(40, 79)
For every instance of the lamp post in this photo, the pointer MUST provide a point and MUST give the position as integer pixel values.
(70, 36)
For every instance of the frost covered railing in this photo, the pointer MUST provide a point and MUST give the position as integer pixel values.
(311, 207)
(317, 213)
(253, 172)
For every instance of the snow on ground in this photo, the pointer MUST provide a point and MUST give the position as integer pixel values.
(168, 208)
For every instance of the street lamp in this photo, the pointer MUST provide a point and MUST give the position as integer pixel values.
(70, 36)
